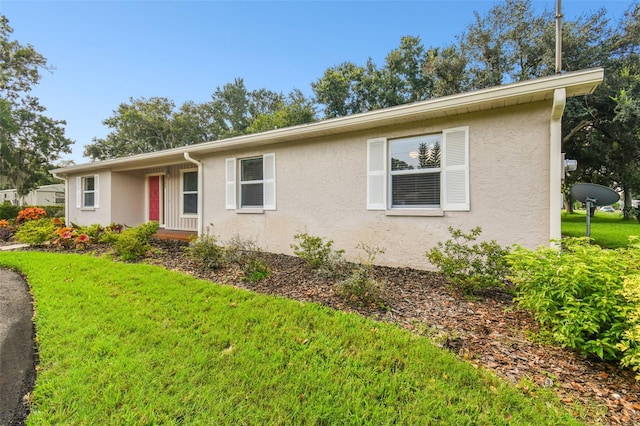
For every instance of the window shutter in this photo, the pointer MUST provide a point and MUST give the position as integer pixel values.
(455, 169)
(376, 174)
(230, 189)
(78, 192)
(269, 179)
(96, 193)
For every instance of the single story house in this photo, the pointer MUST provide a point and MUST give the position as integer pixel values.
(44, 195)
(394, 178)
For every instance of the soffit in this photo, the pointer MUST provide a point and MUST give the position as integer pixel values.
(538, 90)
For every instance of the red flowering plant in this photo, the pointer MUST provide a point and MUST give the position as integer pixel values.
(68, 238)
(30, 213)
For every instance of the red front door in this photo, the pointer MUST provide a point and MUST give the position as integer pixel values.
(154, 198)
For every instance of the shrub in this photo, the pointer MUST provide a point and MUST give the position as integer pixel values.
(8, 210)
(205, 251)
(245, 253)
(31, 213)
(133, 243)
(579, 294)
(36, 232)
(630, 342)
(316, 253)
(54, 211)
(362, 286)
(470, 267)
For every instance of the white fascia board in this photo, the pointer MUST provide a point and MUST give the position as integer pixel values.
(540, 89)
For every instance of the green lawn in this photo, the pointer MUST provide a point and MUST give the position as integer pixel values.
(131, 344)
(607, 229)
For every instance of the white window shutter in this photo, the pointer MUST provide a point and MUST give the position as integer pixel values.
(78, 192)
(377, 174)
(96, 192)
(455, 169)
(269, 179)
(230, 189)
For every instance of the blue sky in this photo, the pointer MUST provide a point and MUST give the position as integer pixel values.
(105, 52)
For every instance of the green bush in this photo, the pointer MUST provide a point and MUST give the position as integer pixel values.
(53, 211)
(133, 243)
(361, 286)
(316, 253)
(470, 267)
(630, 342)
(245, 253)
(205, 251)
(8, 211)
(578, 293)
(36, 232)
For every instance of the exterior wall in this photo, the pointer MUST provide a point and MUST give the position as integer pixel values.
(90, 216)
(173, 192)
(321, 189)
(127, 199)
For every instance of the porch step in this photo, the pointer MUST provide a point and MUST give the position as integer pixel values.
(172, 234)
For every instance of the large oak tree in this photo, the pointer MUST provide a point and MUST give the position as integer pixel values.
(29, 140)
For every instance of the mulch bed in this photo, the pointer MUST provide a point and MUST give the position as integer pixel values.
(490, 332)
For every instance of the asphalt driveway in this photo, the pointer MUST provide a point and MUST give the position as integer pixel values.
(17, 348)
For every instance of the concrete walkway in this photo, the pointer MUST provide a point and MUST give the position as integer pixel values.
(17, 349)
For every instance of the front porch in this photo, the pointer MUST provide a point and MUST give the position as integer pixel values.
(173, 234)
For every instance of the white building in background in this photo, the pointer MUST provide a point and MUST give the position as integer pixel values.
(45, 195)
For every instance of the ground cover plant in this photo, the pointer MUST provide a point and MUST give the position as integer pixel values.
(136, 344)
(607, 229)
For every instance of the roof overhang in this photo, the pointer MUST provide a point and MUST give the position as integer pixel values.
(575, 83)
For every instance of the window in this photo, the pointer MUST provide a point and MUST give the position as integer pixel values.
(415, 171)
(256, 182)
(189, 192)
(251, 183)
(427, 172)
(87, 192)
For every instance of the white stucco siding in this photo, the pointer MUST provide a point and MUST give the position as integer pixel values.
(128, 198)
(88, 216)
(321, 189)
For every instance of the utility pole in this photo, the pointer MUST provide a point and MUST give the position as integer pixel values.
(558, 37)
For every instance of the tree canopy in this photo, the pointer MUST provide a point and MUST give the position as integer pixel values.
(29, 140)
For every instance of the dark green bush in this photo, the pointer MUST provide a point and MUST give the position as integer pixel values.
(133, 243)
(578, 293)
(470, 267)
(8, 211)
(53, 211)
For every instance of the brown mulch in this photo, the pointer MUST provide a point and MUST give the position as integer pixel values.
(489, 332)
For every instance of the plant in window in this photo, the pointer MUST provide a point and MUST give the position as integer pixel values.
(317, 253)
(470, 267)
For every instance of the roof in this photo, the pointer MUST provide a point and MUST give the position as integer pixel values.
(575, 83)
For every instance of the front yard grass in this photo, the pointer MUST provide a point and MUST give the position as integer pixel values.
(607, 229)
(137, 344)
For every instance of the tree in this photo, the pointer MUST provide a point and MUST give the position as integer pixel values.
(153, 124)
(29, 140)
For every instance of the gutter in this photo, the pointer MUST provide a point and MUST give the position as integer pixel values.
(198, 163)
(555, 165)
(66, 195)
